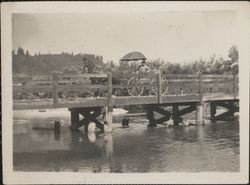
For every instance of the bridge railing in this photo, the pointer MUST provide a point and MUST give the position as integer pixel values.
(59, 88)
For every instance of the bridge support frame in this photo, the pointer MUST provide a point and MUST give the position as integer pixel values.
(176, 113)
(90, 114)
(228, 115)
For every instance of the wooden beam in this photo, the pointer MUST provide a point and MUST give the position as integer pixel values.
(225, 116)
(91, 117)
(228, 105)
(161, 111)
(163, 119)
(187, 110)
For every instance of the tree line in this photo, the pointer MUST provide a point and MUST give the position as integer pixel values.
(38, 63)
(23, 62)
(213, 65)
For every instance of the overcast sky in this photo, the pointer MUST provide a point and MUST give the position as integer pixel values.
(172, 36)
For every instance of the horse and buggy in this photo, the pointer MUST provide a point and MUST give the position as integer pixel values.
(132, 81)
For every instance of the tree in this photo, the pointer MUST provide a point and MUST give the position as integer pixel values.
(13, 52)
(233, 54)
(112, 65)
(27, 53)
(232, 63)
(20, 51)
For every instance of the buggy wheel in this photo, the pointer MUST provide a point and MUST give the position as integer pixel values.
(154, 88)
(134, 89)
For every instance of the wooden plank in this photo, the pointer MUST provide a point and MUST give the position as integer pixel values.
(218, 96)
(181, 80)
(79, 87)
(101, 75)
(44, 88)
(130, 75)
(216, 76)
(173, 76)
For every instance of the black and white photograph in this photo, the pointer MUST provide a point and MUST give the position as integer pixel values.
(125, 92)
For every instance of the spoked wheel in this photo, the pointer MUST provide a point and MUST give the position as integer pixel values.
(154, 88)
(135, 89)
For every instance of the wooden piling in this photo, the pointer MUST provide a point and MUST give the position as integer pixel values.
(150, 116)
(212, 110)
(57, 127)
(175, 115)
(74, 115)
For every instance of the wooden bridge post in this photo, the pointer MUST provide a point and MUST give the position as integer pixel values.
(159, 84)
(109, 117)
(175, 115)
(200, 113)
(200, 86)
(200, 104)
(55, 88)
(150, 116)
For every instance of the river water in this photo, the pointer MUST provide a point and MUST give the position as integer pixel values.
(212, 147)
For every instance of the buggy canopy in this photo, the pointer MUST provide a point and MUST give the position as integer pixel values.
(135, 55)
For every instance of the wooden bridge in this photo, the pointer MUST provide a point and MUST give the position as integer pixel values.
(79, 92)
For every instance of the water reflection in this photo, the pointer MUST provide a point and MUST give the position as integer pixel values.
(213, 147)
(57, 135)
(91, 137)
(108, 144)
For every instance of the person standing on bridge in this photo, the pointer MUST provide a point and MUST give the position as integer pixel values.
(143, 68)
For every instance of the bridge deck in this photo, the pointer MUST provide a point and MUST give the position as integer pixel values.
(117, 101)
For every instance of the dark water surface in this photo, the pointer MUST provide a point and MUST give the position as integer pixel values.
(213, 147)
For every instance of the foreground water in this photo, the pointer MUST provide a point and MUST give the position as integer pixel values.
(213, 147)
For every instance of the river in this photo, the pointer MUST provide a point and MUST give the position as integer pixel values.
(212, 147)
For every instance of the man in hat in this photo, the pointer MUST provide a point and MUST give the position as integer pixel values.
(143, 68)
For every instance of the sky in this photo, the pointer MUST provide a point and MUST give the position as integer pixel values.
(171, 36)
